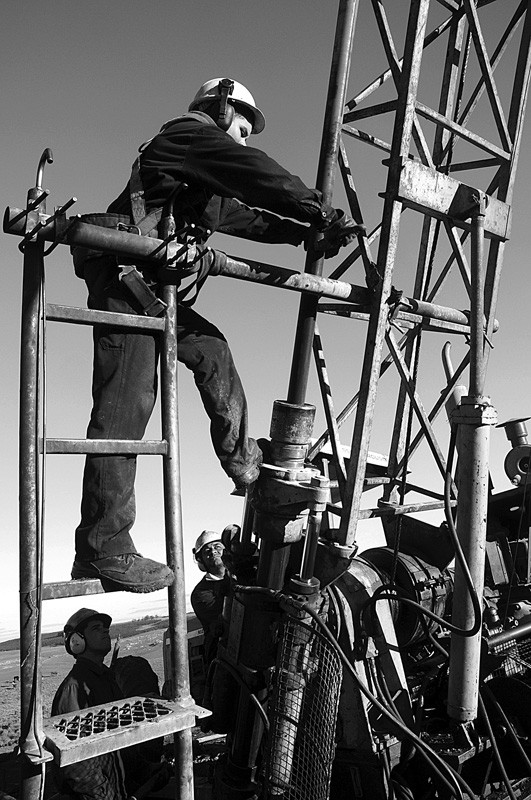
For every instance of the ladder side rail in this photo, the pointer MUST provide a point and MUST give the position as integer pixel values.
(175, 544)
(31, 739)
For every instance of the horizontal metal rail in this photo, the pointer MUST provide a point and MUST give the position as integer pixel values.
(105, 447)
(75, 588)
(75, 232)
(87, 316)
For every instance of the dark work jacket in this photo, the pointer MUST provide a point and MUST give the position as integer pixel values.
(102, 777)
(207, 600)
(228, 184)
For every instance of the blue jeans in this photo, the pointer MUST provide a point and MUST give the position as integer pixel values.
(124, 389)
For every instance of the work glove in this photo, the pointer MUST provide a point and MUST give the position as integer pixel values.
(338, 229)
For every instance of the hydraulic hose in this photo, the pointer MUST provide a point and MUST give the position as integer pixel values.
(510, 727)
(386, 593)
(454, 782)
(495, 749)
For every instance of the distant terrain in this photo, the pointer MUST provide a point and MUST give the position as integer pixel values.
(122, 629)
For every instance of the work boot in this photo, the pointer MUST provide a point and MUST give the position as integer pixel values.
(128, 573)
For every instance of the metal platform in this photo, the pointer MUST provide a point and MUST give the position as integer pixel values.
(93, 731)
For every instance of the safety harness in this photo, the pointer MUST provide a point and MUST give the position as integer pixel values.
(200, 262)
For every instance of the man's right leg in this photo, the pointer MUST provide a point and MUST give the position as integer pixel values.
(124, 391)
(205, 351)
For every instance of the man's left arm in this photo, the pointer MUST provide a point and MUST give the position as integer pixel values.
(260, 226)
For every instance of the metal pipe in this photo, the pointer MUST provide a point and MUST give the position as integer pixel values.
(475, 416)
(339, 71)
(296, 281)
(510, 635)
(28, 521)
(174, 543)
(473, 482)
(145, 248)
(477, 302)
(311, 541)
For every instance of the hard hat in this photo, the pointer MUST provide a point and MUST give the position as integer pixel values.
(238, 96)
(206, 537)
(78, 620)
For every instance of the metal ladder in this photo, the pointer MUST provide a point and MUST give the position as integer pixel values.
(94, 731)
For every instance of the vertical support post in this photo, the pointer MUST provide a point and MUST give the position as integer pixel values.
(339, 71)
(477, 302)
(400, 149)
(174, 543)
(475, 416)
(28, 521)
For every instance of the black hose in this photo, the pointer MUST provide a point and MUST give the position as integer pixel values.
(393, 592)
(454, 783)
(510, 727)
(460, 556)
(238, 678)
(495, 749)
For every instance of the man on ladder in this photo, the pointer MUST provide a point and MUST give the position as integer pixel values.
(196, 173)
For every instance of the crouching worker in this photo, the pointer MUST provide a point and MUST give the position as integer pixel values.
(117, 775)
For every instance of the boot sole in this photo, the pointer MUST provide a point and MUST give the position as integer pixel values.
(110, 585)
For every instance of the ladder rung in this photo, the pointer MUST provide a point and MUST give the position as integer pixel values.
(88, 316)
(77, 588)
(106, 447)
(79, 735)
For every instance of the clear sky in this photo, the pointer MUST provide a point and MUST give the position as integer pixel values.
(92, 81)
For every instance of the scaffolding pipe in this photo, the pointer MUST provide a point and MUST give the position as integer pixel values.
(339, 71)
(30, 677)
(174, 544)
(475, 416)
(147, 249)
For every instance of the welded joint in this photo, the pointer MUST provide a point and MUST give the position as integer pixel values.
(474, 411)
(37, 756)
(468, 203)
(296, 486)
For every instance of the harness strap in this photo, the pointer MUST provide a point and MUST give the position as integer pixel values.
(147, 222)
(143, 221)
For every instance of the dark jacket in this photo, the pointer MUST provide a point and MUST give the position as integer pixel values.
(207, 600)
(225, 183)
(112, 776)
(102, 777)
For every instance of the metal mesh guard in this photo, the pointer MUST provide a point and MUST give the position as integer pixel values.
(101, 729)
(303, 712)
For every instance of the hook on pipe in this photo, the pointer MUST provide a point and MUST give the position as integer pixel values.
(46, 158)
(447, 361)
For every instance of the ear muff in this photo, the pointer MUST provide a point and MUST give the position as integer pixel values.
(225, 114)
(75, 643)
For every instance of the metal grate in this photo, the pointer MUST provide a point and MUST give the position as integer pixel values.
(303, 713)
(517, 657)
(101, 729)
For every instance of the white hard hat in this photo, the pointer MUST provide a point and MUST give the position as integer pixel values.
(206, 537)
(238, 96)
